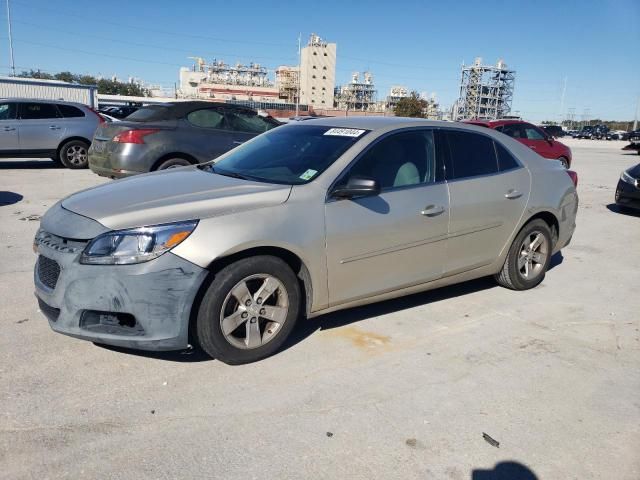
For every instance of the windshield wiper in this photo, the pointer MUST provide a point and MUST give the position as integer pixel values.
(227, 173)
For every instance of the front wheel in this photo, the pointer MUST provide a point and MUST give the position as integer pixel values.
(249, 310)
(173, 163)
(528, 258)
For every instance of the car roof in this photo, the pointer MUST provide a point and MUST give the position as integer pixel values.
(43, 100)
(372, 123)
(493, 123)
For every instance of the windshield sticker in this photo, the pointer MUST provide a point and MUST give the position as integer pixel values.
(344, 132)
(308, 175)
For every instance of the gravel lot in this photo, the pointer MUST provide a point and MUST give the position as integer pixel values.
(400, 389)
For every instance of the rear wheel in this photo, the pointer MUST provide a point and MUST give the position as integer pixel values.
(528, 258)
(74, 154)
(173, 163)
(249, 310)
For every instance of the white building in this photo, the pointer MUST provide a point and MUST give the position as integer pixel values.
(48, 90)
(317, 73)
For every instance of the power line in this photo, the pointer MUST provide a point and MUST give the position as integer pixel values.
(68, 13)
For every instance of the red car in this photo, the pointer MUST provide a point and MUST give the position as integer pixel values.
(532, 136)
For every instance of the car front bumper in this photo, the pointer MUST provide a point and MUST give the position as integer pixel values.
(627, 195)
(144, 306)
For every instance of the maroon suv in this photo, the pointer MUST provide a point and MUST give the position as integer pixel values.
(532, 136)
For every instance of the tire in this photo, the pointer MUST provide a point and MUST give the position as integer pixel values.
(521, 260)
(173, 163)
(74, 154)
(564, 162)
(230, 325)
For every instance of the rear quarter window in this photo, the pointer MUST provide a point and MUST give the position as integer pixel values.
(69, 111)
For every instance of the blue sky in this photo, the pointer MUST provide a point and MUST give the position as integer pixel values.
(419, 44)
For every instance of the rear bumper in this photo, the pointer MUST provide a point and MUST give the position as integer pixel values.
(115, 160)
(145, 306)
(627, 195)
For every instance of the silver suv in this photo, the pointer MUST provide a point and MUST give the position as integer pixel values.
(304, 219)
(58, 130)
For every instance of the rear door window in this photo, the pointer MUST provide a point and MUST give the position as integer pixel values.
(7, 111)
(514, 130)
(69, 111)
(248, 122)
(470, 155)
(206, 118)
(38, 111)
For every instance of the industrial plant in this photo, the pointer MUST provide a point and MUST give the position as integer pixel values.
(486, 91)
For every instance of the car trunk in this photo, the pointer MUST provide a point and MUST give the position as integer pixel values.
(108, 130)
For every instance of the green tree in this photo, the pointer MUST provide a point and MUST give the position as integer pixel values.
(65, 77)
(411, 106)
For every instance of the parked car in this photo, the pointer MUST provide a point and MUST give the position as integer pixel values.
(109, 118)
(617, 135)
(555, 131)
(585, 132)
(61, 131)
(600, 132)
(157, 137)
(531, 136)
(634, 141)
(308, 218)
(628, 189)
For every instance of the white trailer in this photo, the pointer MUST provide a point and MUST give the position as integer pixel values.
(16, 87)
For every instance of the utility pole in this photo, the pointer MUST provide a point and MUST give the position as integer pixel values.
(635, 118)
(13, 64)
(299, 74)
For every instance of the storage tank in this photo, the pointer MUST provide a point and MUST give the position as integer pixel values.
(16, 87)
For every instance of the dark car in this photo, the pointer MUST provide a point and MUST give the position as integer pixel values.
(533, 137)
(169, 135)
(628, 189)
(555, 131)
(585, 132)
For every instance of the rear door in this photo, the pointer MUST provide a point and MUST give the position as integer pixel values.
(489, 190)
(206, 136)
(39, 126)
(9, 140)
(246, 125)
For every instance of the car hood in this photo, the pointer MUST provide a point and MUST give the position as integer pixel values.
(172, 195)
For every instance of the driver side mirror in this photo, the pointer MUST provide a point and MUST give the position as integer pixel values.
(357, 187)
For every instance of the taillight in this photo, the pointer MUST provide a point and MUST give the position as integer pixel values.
(574, 177)
(133, 136)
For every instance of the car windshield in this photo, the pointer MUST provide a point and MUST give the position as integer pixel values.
(290, 155)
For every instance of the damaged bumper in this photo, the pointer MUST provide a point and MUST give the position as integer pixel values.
(144, 306)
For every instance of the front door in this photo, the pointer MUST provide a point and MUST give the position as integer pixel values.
(207, 136)
(488, 191)
(397, 238)
(537, 140)
(8, 127)
(39, 126)
(245, 125)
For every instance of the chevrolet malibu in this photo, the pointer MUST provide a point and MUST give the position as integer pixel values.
(305, 219)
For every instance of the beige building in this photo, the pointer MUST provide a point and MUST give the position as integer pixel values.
(317, 73)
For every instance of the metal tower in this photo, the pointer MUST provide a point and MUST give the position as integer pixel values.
(486, 91)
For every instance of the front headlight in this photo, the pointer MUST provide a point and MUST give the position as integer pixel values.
(137, 245)
(625, 177)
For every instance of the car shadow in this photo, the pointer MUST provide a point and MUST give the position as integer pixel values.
(507, 470)
(9, 198)
(615, 208)
(191, 355)
(556, 260)
(44, 164)
(342, 318)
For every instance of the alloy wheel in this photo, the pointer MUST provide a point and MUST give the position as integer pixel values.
(534, 252)
(254, 311)
(76, 155)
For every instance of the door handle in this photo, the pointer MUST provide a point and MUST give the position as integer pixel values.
(236, 142)
(54, 127)
(533, 147)
(512, 194)
(9, 129)
(432, 210)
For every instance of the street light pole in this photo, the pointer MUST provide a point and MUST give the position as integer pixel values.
(13, 65)
(299, 71)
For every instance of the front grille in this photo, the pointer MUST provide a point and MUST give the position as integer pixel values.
(48, 271)
(50, 312)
